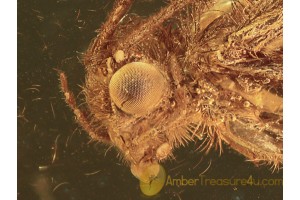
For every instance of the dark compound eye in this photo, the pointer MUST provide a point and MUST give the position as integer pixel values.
(137, 88)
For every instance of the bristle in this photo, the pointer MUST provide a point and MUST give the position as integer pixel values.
(200, 73)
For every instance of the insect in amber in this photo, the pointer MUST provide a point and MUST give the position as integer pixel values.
(208, 70)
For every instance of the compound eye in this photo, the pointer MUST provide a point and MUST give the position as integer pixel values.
(137, 88)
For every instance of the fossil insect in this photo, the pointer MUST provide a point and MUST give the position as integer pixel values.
(209, 70)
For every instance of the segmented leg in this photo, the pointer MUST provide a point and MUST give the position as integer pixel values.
(107, 29)
(152, 24)
(80, 115)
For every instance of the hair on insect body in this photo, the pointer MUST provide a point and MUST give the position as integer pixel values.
(208, 70)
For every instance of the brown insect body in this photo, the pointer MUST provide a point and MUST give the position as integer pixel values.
(219, 61)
